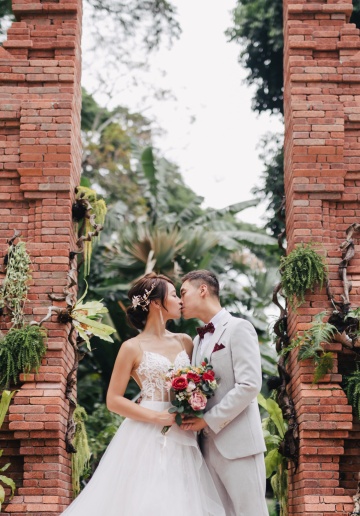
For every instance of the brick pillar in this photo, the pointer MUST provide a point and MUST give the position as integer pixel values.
(40, 162)
(322, 184)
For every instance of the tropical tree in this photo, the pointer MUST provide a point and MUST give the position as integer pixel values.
(272, 187)
(258, 27)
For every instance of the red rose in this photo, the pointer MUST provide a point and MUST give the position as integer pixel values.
(180, 383)
(209, 375)
(193, 377)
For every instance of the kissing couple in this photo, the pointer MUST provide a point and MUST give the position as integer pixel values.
(209, 466)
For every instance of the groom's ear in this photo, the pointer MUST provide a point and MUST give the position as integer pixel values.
(203, 289)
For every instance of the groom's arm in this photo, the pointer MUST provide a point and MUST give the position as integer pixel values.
(246, 360)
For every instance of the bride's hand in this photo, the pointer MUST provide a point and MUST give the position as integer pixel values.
(166, 419)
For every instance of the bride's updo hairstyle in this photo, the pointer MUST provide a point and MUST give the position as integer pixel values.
(149, 287)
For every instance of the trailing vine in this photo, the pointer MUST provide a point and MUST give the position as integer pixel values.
(85, 318)
(80, 459)
(15, 286)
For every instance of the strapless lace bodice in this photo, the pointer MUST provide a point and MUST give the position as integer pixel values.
(151, 373)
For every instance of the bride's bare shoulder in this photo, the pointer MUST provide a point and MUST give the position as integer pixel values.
(131, 346)
(185, 340)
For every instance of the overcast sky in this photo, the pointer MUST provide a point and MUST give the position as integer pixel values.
(210, 130)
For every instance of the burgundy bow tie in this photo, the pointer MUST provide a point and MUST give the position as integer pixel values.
(204, 329)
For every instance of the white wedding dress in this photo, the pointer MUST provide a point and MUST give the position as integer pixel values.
(144, 473)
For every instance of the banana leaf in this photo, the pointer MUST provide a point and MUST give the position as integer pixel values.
(274, 412)
(272, 460)
(6, 398)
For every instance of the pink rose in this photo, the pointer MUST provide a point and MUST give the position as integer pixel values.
(198, 401)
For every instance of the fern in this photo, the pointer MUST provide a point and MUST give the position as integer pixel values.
(80, 459)
(21, 351)
(310, 345)
(303, 269)
(324, 365)
(352, 389)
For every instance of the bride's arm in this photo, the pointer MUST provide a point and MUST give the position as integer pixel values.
(115, 401)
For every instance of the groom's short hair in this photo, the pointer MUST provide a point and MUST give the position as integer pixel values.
(204, 276)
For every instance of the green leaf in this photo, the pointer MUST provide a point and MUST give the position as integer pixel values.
(172, 410)
(2, 495)
(178, 419)
(9, 482)
(6, 398)
(84, 294)
(262, 401)
(4, 468)
(272, 461)
(83, 334)
(276, 416)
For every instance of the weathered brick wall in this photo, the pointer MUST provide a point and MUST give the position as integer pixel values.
(40, 157)
(322, 183)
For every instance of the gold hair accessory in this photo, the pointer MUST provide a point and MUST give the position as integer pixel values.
(143, 301)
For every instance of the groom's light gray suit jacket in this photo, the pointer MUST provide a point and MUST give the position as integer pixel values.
(232, 415)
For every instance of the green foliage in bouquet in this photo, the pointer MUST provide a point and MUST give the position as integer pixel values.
(274, 429)
(190, 387)
(301, 270)
(352, 389)
(310, 346)
(4, 405)
(15, 287)
(80, 459)
(87, 204)
(21, 351)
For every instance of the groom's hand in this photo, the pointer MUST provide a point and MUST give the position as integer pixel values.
(195, 424)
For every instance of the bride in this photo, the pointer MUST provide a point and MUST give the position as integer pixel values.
(144, 473)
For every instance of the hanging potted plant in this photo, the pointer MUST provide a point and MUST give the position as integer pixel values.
(24, 345)
(301, 270)
(21, 351)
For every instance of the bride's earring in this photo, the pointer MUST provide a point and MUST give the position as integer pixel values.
(162, 318)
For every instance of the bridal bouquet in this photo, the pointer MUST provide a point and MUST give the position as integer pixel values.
(191, 387)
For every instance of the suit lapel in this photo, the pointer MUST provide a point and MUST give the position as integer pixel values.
(220, 329)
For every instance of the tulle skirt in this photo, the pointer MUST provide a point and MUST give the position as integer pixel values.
(144, 473)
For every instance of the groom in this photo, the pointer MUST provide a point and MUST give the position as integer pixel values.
(231, 439)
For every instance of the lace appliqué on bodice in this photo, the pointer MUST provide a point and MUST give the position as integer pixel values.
(152, 370)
